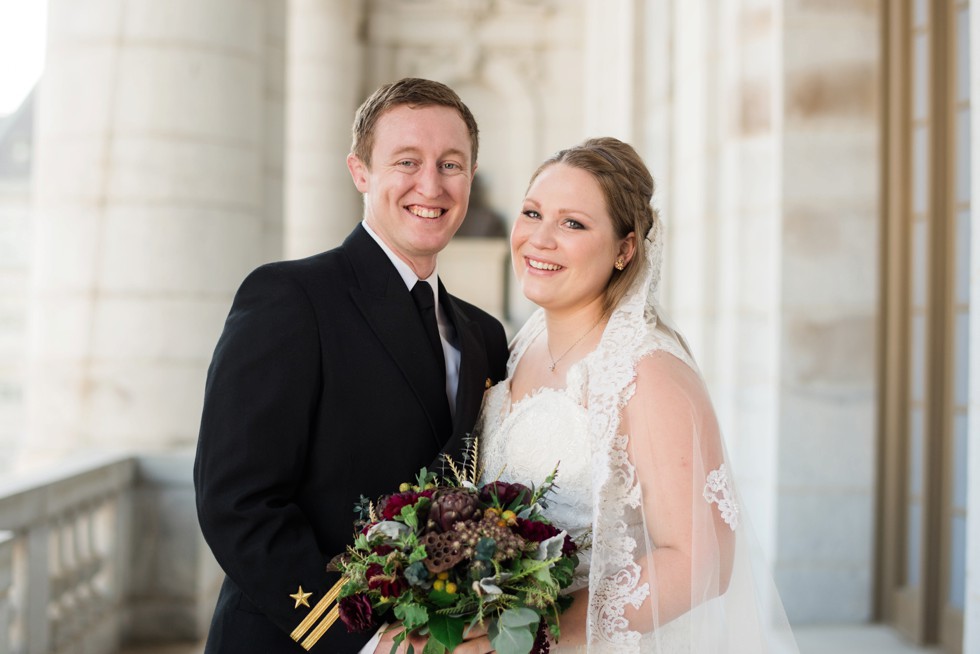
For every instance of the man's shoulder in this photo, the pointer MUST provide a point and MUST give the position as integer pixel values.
(329, 265)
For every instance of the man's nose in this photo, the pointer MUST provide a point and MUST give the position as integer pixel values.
(429, 181)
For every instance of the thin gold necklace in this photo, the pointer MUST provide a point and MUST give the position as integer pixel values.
(554, 361)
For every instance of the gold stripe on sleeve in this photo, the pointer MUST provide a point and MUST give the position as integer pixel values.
(321, 628)
(318, 610)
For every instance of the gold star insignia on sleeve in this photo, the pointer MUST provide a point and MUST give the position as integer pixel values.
(301, 598)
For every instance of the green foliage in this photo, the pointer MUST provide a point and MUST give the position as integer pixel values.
(447, 630)
(514, 631)
(413, 615)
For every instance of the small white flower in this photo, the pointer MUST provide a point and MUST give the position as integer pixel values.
(389, 528)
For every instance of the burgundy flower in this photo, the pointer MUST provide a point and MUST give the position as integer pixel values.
(505, 493)
(387, 585)
(568, 547)
(356, 613)
(535, 531)
(393, 504)
(383, 549)
(541, 643)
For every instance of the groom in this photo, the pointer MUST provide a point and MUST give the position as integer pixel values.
(341, 375)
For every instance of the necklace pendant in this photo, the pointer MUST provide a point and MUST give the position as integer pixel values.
(552, 367)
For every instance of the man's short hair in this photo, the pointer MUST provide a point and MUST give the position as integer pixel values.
(414, 92)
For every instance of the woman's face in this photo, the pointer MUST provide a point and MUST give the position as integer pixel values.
(563, 243)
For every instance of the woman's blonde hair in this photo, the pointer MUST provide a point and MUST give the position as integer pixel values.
(627, 187)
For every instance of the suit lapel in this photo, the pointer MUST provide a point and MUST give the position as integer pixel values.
(387, 306)
(473, 371)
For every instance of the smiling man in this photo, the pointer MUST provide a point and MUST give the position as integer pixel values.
(341, 375)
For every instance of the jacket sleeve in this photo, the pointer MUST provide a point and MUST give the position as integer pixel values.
(262, 391)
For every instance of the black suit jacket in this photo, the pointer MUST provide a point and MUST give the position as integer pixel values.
(323, 388)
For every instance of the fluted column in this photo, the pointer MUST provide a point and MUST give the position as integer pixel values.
(613, 63)
(323, 88)
(152, 145)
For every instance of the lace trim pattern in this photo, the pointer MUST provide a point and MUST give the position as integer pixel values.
(718, 490)
(633, 332)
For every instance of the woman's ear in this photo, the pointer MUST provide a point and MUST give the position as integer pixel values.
(627, 247)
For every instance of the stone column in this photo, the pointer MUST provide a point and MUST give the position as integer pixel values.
(612, 66)
(828, 296)
(150, 208)
(323, 89)
(971, 614)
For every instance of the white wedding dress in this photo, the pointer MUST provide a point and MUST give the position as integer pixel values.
(641, 466)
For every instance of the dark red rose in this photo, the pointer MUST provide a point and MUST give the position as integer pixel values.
(505, 493)
(541, 643)
(356, 613)
(568, 547)
(387, 585)
(392, 505)
(535, 531)
(382, 550)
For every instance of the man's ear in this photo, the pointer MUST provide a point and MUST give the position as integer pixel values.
(359, 172)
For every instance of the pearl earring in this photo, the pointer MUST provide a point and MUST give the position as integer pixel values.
(620, 263)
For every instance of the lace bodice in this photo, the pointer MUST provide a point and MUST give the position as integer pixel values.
(524, 442)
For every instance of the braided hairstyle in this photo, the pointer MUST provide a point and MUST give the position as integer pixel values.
(627, 188)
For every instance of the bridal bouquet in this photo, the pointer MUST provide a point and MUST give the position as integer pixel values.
(442, 556)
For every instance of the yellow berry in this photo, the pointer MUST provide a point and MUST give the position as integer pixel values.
(438, 584)
(492, 511)
(501, 523)
(450, 588)
(443, 576)
(430, 486)
(404, 487)
(510, 517)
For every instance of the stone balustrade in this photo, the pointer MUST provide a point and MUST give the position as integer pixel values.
(64, 557)
(101, 553)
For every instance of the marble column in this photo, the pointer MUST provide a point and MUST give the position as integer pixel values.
(971, 614)
(324, 87)
(152, 144)
(612, 66)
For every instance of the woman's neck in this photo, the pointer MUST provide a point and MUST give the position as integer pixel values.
(566, 329)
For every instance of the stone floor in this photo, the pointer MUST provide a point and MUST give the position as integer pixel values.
(850, 639)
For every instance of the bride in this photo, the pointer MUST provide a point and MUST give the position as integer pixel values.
(600, 381)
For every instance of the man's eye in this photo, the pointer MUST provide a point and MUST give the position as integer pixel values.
(406, 163)
(449, 165)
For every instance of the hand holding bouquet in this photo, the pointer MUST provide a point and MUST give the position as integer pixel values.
(444, 556)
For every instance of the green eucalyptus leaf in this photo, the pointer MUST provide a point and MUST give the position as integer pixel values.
(447, 630)
(514, 631)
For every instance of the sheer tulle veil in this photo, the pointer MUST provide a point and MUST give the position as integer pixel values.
(675, 566)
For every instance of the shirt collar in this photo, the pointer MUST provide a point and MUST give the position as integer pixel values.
(404, 270)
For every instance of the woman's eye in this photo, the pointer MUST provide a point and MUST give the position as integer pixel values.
(574, 224)
(531, 213)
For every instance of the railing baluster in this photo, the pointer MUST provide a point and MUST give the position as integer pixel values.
(6, 586)
(38, 588)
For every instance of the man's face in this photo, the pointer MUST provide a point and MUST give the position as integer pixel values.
(417, 187)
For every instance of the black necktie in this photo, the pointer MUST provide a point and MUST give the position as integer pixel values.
(424, 300)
